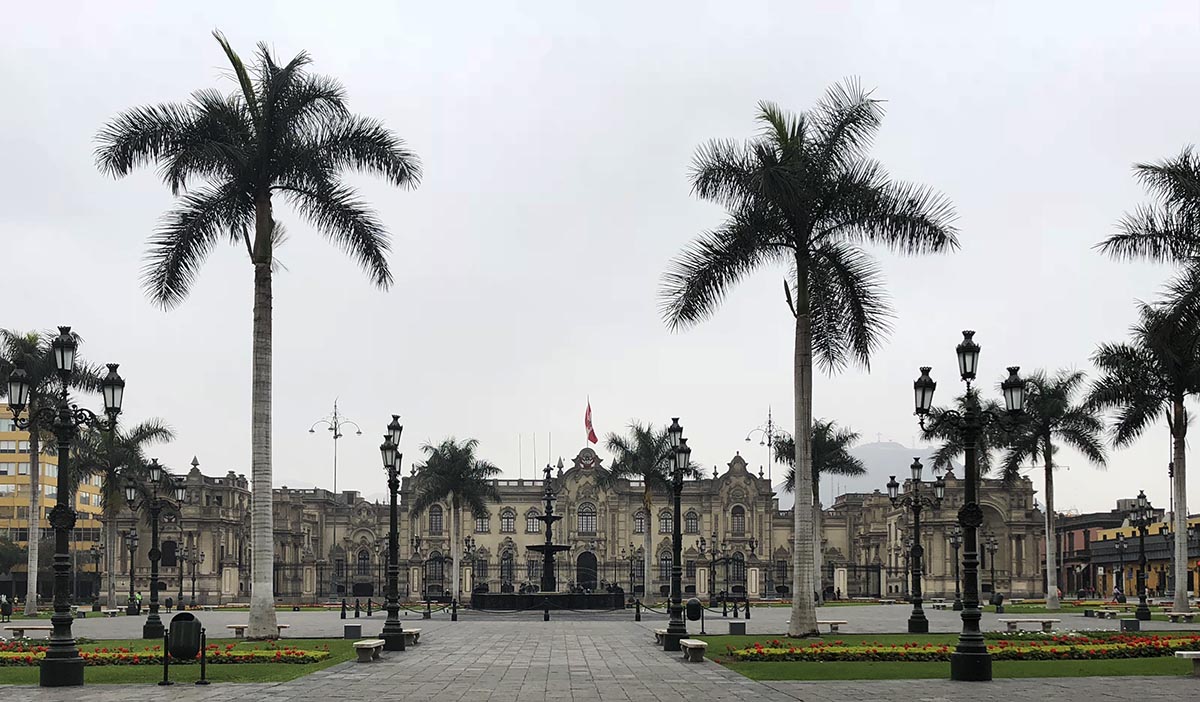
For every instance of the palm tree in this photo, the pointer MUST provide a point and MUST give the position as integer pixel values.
(643, 454)
(114, 457)
(830, 455)
(991, 439)
(1146, 379)
(805, 194)
(452, 472)
(285, 132)
(1052, 415)
(31, 351)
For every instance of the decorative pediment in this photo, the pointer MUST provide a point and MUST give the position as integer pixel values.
(587, 459)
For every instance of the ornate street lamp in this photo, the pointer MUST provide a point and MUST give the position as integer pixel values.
(131, 543)
(393, 630)
(153, 504)
(334, 424)
(914, 501)
(183, 560)
(680, 454)
(955, 534)
(970, 660)
(62, 665)
(768, 433)
(991, 546)
(195, 560)
(1141, 517)
(97, 551)
(1121, 546)
(632, 557)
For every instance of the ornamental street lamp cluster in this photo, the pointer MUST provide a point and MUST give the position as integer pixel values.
(680, 457)
(970, 660)
(192, 557)
(151, 496)
(955, 535)
(62, 665)
(1140, 518)
(393, 630)
(914, 501)
(131, 544)
(991, 545)
(97, 552)
(633, 555)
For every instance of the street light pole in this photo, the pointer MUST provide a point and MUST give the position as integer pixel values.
(154, 503)
(955, 543)
(393, 630)
(62, 666)
(970, 660)
(915, 502)
(195, 560)
(680, 453)
(97, 551)
(334, 423)
(991, 546)
(131, 543)
(769, 432)
(1141, 518)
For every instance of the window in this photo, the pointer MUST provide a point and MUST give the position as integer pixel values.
(50, 471)
(51, 491)
(737, 518)
(664, 566)
(7, 488)
(7, 425)
(22, 469)
(664, 522)
(434, 567)
(481, 570)
(483, 525)
(339, 567)
(8, 447)
(364, 562)
(435, 519)
(8, 468)
(23, 513)
(639, 523)
(587, 518)
(85, 498)
(508, 521)
(689, 569)
(739, 568)
(781, 571)
(691, 523)
(22, 447)
(508, 567)
(533, 525)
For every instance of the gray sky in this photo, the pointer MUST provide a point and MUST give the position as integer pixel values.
(556, 143)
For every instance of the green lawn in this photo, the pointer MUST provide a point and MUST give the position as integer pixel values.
(339, 650)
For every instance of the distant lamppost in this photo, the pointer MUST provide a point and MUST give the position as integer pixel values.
(469, 551)
(131, 543)
(632, 557)
(991, 546)
(380, 565)
(970, 660)
(676, 629)
(955, 533)
(393, 630)
(183, 560)
(1141, 517)
(62, 665)
(1121, 546)
(195, 559)
(153, 503)
(97, 551)
(334, 424)
(914, 501)
(768, 433)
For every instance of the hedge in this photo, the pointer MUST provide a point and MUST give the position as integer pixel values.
(31, 655)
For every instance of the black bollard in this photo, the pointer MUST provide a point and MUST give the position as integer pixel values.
(454, 609)
(343, 608)
(637, 610)
(747, 609)
(166, 659)
(426, 614)
(368, 606)
(546, 611)
(724, 606)
(735, 609)
(203, 658)
(357, 608)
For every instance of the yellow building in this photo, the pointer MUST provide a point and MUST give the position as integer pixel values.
(15, 485)
(1116, 560)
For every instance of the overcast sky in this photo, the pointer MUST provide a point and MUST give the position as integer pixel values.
(556, 144)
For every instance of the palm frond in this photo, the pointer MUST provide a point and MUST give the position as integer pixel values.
(359, 143)
(243, 76)
(846, 120)
(1175, 181)
(1156, 232)
(338, 213)
(140, 136)
(847, 298)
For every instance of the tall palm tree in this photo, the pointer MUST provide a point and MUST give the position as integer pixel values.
(113, 457)
(284, 132)
(830, 455)
(452, 472)
(643, 454)
(1146, 379)
(1052, 415)
(991, 439)
(31, 351)
(805, 194)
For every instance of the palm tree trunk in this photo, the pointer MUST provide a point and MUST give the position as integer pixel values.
(35, 517)
(1179, 436)
(262, 596)
(804, 612)
(454, 545)
(1052, 603)
(648, 538)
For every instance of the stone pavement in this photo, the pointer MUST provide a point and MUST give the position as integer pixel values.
(586, 658)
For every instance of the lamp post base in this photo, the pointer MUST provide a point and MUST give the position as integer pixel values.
(918, 624)
(971, 667)
(1142, 613)
(671, 641)
(957, 606)
(153, 630)
(61, 672)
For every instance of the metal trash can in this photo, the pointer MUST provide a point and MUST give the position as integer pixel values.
(184, 641)
(1131, 625)
(737, 628)
(693, 609)
(352, 631)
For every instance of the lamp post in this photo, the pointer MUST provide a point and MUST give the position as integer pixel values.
(991, 546)
(914, 501)
(183, 559)
(194, 560)
(334, 424)
(393, 630)
(97, 551)
(62, 665)
(1141, 517)
(768, 433)
(1120, 546)
(380, 566)
(956, 543)
(469, 551)
(632, 558)
(153, 503)
(131, 543)
(676, 629)
(970, 660)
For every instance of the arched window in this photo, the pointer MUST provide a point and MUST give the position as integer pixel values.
(664, 566)
(664, 522)
(508, 567)
(691, 523)
(481, 569)
(639, 523)
(587, 518)
(508, 521)
(364, 562)
(435, 519)
(434, 567)
(737, 519)
(739, 567)
(483, 525)
(533, 525)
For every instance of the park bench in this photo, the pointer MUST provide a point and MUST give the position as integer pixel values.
(412, 637)
(1047, 624)
(940, 605)
(693, 649)
(658, 636)
(1194, 656)
(110, 612)
(19, 630)
(1185, 616)
(239, 630)
(1016, 600)
(368, 650)
(832, 624)
(208, 608)
(887, 602)
(1108, 613)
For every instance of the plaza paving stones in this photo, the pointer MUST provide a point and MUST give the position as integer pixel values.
(578, 657)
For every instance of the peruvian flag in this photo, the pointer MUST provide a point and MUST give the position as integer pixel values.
(587, 423)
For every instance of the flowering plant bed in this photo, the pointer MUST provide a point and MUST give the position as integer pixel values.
(25, 654)
(1061, 647)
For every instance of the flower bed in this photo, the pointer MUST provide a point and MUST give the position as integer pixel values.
(23, 654)
(1062, 647)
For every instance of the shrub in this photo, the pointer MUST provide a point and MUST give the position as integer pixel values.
(153, 656)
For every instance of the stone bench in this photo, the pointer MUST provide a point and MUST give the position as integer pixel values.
(1185, 616)
(1047, 624)
(239, 630)
(110, 612)
(1194, 656)
(887, 602)
(832, 624)
(940, 605)
(693, 650)
(412, 637)
(19, 631)
(368, 650)
(1108, 613)
(208, 608)
(658, 636)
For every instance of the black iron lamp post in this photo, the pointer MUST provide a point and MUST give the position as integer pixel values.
(97, 551)
(195, 559)
(153, 503)
(632, 556)
(1141, 517)
(915, 502)
(1120, 546)
(393, 630)
(970, 660)
(955, 533)
(62, 666)
(991, 546)
(131, 543)
(469, 551)
(676, 629)
(183, 560)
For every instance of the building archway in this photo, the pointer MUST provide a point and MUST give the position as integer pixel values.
(585, 570)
